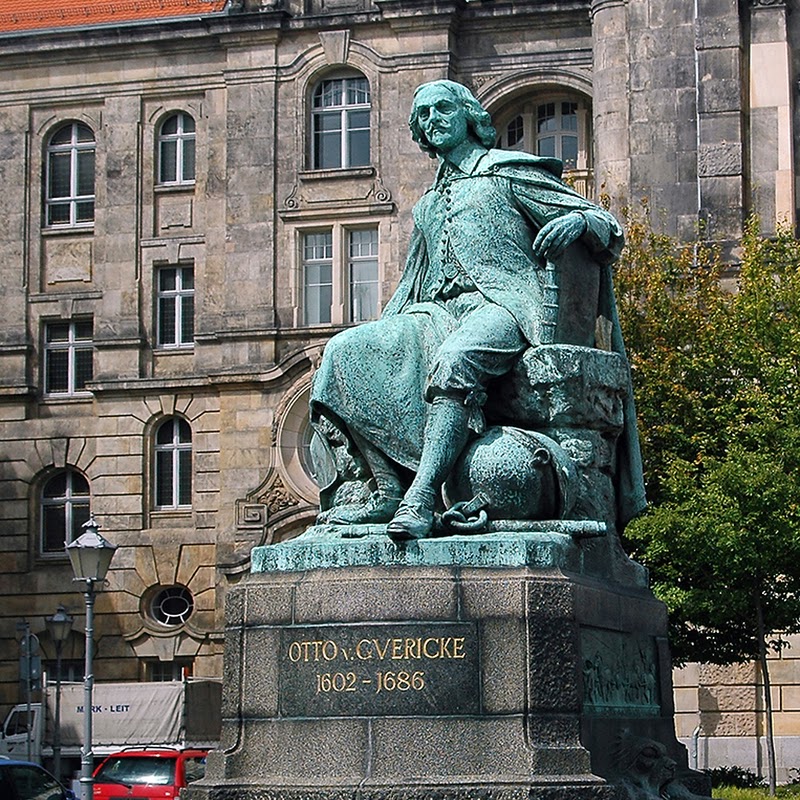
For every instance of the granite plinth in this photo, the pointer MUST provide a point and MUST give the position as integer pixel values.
(447, 681)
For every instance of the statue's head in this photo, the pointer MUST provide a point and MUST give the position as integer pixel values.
(444, 114)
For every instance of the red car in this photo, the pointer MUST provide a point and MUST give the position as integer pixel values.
(155, 774)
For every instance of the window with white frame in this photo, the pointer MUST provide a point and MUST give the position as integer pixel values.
(340, 275)
(362, 247)
(173, 464)
(175, 306)
(557, 126)
(68, 356)
(557, 131)
(340, 123)
(176, 150)
(64, 510)
(69, 178)
(171, 605)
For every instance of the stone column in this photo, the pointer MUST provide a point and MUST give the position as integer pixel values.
(720, 156)
(770, 146)
(610, 100)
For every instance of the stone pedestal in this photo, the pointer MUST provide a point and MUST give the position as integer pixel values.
(526, 677)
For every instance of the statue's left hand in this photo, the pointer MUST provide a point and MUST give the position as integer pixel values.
(558, 234)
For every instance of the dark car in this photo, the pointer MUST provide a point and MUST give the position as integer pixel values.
(152, 773)
(21, 780)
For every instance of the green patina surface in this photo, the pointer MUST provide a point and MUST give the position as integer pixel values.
(442, 394)
(322, 547)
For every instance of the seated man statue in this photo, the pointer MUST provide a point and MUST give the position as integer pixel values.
(407, 391)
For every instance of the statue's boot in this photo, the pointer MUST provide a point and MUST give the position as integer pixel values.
(446, 433)
(378, 508)
(383, 503)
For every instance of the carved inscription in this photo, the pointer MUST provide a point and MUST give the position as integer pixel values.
(403, 669)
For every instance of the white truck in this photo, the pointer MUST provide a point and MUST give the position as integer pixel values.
(174, 714)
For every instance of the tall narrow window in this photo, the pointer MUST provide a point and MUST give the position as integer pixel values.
(515, 133)
(175, 306)
(64, 510)
(318, 277)
(340, 122)
(363, 274)
(176, 149)
(68, 353)
(557, 131)
(69, 180)
(173, 464)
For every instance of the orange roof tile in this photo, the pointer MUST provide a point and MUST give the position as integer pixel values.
(29, 15)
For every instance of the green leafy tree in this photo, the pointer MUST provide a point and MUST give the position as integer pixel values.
(716, 371)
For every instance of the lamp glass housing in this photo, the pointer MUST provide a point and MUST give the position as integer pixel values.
(59, 625)
(90, 554)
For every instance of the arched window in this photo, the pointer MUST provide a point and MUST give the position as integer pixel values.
(176, 149)
(64, 510)
(340, 123)
(552, 123)
(69, 180)
(549, 125)
(173, 464)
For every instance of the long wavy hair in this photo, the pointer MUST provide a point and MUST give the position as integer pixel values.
(479, 123)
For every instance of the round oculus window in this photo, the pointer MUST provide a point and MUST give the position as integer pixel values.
(172, 606)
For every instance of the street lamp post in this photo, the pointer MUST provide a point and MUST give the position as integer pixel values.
(59, 627)
(90, 555)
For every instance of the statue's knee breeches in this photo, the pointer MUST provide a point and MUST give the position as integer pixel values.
(484, 346)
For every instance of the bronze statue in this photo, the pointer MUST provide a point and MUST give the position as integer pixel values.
(405, 395)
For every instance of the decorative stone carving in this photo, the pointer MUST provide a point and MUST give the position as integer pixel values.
(336, 45)
(646, 771)
(619, 674)
(278, 497)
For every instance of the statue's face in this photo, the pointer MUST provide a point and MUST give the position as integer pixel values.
(441, 117)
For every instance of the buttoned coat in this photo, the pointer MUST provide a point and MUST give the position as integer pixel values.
(487, 218)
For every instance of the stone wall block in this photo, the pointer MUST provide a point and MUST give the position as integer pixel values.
(685, 699)
(687, 675)
(720, 158)
(488, 747)
(732, 674)
(260, 677)
(788, 725)
(269, 607)
(349, 598)
(268, 748)
(715, 723)
(716, 32)
(235, 599)
(503, 653)
(728, 698)
(232, 662)
(482, 597)
(596, 606)
(552, 677)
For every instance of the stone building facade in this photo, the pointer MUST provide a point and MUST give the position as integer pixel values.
(195, 200)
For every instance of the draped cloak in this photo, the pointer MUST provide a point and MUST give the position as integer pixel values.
(481, 224)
